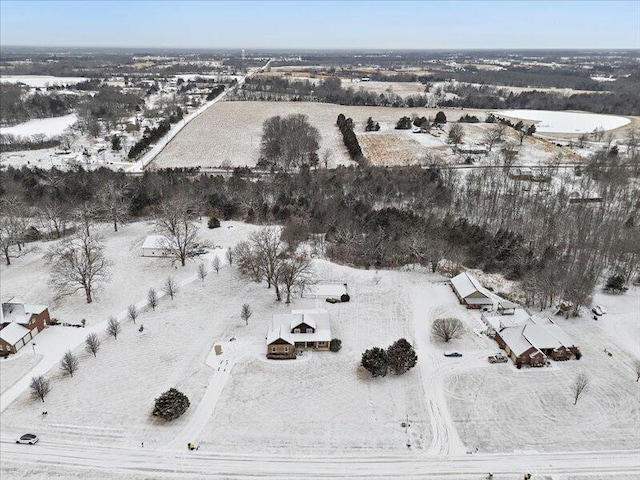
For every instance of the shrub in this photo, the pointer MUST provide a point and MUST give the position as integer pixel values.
(615, 283)
(401, 356)
(375, 361)
(171, 404)
(213, 223)
(335, 345)
(446, 329)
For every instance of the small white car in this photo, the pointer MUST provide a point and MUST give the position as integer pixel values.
(28, 439)
(599, 310)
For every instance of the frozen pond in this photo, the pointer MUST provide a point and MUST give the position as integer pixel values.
(41, 80)
(566, 122)
(50, 127)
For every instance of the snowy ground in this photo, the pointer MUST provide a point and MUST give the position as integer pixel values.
(49, 127)
(321, 404)
(41, 80)
(566, 122)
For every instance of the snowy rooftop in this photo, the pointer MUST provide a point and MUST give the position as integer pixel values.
(514, 338)
(14, 311)
(13, 332)
(154, 241)
(466, 284)
(282, 326)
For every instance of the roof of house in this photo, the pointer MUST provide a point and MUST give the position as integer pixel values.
(282, 325)
(154, 241)
(15, 311)
(506, 304)
(514, 339)
(466, 285)
(13, 332)
(520, 317)
(540, 337)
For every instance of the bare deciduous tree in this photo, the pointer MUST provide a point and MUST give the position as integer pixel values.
(40, 387)
(54, 217)
(132, 312)
(85, 215)
(579, 386)
(295, 272)
(92, 344)
(113, 327)
(636, 365)
(215, 263)
(230, 256)
(152, 298)
(170, 287)
(202, 271)
(455, 135)
(494, 135)
(447, 328)
(78, 263)
(113, 203)
(246, 313)
(69, 363)
(179, 233)
(269, 250)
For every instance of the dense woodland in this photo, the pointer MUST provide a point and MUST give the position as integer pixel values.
(379, 217)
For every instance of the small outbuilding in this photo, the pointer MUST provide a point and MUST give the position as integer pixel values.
(155, 246)
(469, 291)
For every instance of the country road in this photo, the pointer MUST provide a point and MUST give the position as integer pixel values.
(148, 157)
(410, 466)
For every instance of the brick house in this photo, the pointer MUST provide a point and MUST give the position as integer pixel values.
(298, 330)
(19, 323)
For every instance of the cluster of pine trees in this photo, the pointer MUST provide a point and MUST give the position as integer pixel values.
(349, 137)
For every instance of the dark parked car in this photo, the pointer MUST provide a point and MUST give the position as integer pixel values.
(452, 354)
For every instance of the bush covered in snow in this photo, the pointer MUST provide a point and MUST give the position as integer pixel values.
(171, 404)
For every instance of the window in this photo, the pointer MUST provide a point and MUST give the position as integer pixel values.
(309, 330)
(273, 349)
(286, 349)
(296, 330)
(321, 344)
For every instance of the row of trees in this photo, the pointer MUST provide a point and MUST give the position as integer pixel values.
(349, 138)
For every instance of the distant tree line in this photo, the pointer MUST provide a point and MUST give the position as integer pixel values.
(17, 107)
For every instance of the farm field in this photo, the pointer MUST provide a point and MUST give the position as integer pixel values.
(49, 127)
(229, 133)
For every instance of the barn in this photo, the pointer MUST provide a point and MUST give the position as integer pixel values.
(470, 292)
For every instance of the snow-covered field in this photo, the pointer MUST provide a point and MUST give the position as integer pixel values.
(566, 122)
(49, 127)
(40, 81)
(229, 133)
(320, 404)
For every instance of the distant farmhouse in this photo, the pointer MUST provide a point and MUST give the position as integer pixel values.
(19, 323)
(470, 292)
(300, 329)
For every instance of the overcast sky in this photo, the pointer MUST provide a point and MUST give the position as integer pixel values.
(325, 24)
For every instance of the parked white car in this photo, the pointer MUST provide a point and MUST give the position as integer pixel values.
(28, 439)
